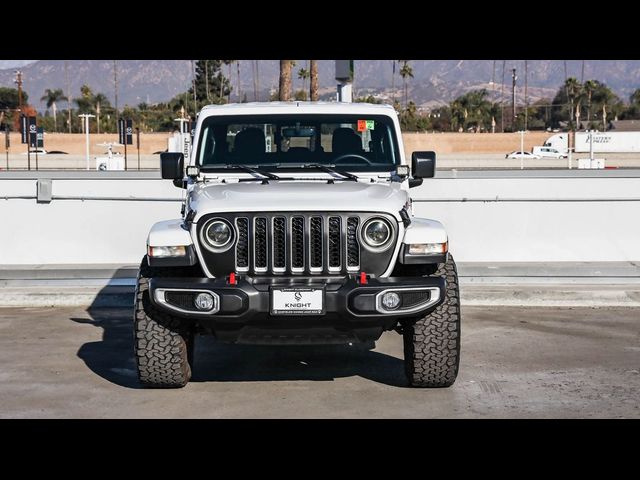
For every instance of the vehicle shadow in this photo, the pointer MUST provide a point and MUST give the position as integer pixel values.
(112, 357)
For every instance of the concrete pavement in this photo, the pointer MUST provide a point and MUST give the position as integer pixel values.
(516, 362)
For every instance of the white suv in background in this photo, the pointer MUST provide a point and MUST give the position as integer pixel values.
(548, 152)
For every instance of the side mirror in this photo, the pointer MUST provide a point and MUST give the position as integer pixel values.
(172, 165)
(423, 164)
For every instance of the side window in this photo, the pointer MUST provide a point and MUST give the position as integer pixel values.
(207, 150)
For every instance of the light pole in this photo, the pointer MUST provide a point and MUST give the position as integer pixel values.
(513, 97)
(521, 132)
(86, 117)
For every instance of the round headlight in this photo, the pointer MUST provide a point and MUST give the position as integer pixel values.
(218, 234)
(376, 232)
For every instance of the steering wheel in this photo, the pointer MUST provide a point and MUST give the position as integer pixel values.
(356, 155)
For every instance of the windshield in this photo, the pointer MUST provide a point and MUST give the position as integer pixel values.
(351, 142)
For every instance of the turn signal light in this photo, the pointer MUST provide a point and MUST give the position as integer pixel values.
(427, 248)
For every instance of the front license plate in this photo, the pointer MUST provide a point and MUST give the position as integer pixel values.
(297, 301)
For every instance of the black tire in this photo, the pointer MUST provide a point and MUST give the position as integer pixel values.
(163, 344)
(432, 344)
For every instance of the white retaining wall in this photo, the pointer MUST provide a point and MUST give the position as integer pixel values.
(490, 217)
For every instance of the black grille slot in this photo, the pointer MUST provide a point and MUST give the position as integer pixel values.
(334, 242)
(297, 242)
(411, 299)
(279, 242)
(353, 247)
(315, 242)
(242, 247)
(260, 243)
(182, 300)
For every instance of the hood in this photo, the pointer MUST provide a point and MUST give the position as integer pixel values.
(297, 196)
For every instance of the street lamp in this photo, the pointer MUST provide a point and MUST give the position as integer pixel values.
(521, 132)
(86, 117)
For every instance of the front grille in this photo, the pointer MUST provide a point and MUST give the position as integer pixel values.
(297, 244)
(335, 242)
(279, 244)
(242, 247)
(260, 244)
(316, 239)
(353, 246)
(301, 243)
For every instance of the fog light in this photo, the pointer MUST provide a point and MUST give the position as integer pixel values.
(390, 300)
(204, 301)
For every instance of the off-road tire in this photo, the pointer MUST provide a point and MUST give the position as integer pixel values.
(163, 344)
(432, 344)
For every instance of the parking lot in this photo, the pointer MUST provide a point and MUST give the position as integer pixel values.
(516, 362)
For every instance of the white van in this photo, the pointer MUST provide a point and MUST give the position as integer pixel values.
(548, 152)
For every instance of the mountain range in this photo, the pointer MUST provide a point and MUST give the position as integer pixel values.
(434, 82)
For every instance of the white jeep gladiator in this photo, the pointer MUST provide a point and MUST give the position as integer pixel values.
(297, 228)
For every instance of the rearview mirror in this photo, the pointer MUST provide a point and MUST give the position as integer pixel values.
(423, 164)
(172, 165)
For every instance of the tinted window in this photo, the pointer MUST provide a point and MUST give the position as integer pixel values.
(353, 142)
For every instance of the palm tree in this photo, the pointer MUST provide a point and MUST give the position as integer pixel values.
(285, 80)
(303, 74)
(99, 99)
(589, 86)
(52, 97)
(406, 71)
(573, 88)
(313, 83)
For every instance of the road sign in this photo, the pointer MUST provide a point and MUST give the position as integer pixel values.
(125, 131)
(33, 132)
(24, 129)
(121, 127)
(40, 137)
(129, 131)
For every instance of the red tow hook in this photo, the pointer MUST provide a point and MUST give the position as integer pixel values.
(232, 279)
(363, 278)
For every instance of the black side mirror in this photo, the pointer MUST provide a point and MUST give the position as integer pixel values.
(423, 164)
(172, 165)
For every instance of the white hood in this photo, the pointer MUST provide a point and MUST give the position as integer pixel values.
(297, 196)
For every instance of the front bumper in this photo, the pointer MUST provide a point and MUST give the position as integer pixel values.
(353, 311)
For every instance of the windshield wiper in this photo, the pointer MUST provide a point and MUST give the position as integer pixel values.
(324, 168)
(255, 171)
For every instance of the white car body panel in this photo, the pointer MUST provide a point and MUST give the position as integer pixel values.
(168, 233)
(423, 230)
(297, 196)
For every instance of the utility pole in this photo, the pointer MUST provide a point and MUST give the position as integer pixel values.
(504, 64)
(255, 85)
(18, 81)
(258, 78)
(513, 96)
(195, 98)
(493, 83)
(521, 132)
(66, 75)
(526, 94)
(86, 117)
(115, 86)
